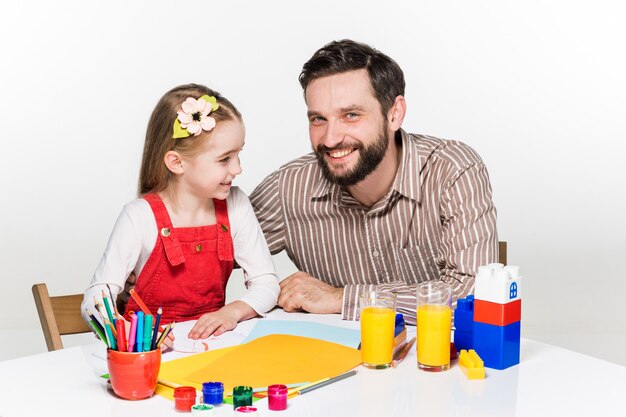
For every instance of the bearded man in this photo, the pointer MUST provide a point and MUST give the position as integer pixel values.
(373, 207)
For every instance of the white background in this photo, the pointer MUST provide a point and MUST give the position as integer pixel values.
(538, 88)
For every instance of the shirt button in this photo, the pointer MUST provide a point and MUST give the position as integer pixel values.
(198, 248)
(375, 253)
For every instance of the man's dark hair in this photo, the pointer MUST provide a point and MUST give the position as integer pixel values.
(336, 57)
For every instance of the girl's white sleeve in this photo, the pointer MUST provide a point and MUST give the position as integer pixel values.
(252, 254)
(125, 253)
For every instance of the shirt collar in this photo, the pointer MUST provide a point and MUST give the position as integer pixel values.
(407, 181)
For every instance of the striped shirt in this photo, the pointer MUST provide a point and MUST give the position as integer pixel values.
(438, 221)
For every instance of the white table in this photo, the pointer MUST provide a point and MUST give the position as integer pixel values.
(549, 381)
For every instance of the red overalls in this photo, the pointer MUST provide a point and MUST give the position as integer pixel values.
(187, 271)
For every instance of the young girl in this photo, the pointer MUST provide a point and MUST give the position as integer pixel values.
(182, 236)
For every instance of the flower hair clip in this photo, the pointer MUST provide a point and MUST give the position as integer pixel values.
(193, 118)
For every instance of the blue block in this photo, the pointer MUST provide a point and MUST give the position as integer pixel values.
(464, 314)
(498, 346)
(463, 340)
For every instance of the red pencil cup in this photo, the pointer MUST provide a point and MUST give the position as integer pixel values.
(277, 397)
(134, 375)
(184, 398)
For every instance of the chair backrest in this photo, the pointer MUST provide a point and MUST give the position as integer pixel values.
(58, 315)
(502, 252)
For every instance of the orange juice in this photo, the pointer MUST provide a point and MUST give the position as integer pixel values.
(433, 336)
(377, 326)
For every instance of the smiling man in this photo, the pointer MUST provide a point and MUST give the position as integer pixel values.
(373, 206)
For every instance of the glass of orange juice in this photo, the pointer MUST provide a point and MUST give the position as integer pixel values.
(378, 319)
(434, 322)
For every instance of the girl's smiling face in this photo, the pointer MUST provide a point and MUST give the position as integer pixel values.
(209, 174)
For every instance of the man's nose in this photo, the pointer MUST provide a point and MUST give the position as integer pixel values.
(334, 134)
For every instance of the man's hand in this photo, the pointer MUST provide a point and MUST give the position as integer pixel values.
(301, 291)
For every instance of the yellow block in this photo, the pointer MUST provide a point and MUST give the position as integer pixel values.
(471, 364)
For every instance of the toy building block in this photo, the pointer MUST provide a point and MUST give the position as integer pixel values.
(498, 346)
(497, 314)
(471, 364)
(498, 284)
(464, 323)
(399, 333)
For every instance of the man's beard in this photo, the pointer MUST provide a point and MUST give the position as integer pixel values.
(369, 158)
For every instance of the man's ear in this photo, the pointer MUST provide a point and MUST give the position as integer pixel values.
(174, 162)
(395, 115)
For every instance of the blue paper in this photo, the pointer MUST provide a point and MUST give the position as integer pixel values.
(340, 335)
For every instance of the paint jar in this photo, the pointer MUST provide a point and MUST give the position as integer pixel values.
(202, 410)
(213, 393)
(277, 397)
(434, 321)
(184, 398)
(246, 410)
(134, 375)
(242, 395)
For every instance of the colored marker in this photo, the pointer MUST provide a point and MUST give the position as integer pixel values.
(147, 333)
(133, 333)
(121, 335)
(139, 302)
(156, 329)
(139, 338)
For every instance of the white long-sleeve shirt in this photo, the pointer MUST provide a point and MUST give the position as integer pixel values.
(134, 236)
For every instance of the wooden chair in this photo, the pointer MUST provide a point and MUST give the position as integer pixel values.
(502, 253)
(59, 315)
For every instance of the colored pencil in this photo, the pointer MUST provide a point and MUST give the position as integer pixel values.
(403, 353)
(140, 302)
(98, 331)
(107, 305)
(156, 329)
(113, 302)
(96, 322)
(165, 333)
(325, 382)
(108, 328)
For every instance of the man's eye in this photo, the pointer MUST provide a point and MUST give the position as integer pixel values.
(225, 160)
(352, 115)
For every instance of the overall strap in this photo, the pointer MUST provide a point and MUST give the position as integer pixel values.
(225, 250)
(173, 250)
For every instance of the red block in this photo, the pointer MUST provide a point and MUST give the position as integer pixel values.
(497, 314)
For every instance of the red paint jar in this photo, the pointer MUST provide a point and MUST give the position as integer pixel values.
(184, 398)
(277, 397)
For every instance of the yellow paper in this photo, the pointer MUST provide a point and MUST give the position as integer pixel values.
(176, 370)
(276, 359)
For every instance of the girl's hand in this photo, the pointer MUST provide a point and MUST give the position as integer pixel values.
(214, 323)
(222, 320)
